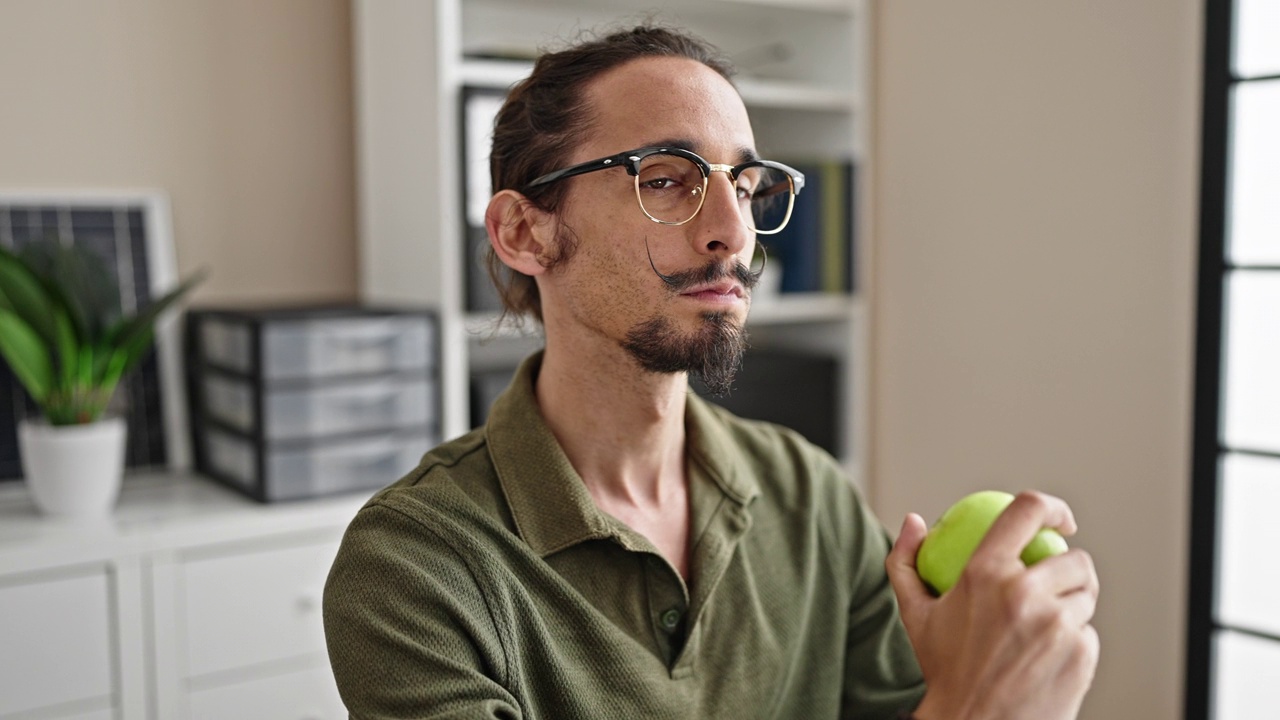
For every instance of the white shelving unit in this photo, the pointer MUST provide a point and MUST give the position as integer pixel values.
(803, 67)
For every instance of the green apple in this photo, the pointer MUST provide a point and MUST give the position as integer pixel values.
(953, 539)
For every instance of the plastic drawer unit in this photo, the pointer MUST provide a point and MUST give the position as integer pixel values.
(289, 403)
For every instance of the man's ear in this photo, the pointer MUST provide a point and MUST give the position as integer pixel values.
(519, 232)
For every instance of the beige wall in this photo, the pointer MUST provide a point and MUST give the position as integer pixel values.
(241, 110)
(1036, 195)
(1035, 207)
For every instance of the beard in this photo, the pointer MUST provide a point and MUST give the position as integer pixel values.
(712, 353)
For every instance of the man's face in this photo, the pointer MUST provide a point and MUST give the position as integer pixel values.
(609, 289)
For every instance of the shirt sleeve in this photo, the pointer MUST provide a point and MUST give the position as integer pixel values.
(408, 629)
(882, 677)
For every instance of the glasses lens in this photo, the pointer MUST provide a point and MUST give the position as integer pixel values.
(771, 197)
(670, 187)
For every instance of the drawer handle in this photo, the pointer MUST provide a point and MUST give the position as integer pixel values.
(366, 334)
(308, 602)
(372, 341)
(372, 400)
(370, 459)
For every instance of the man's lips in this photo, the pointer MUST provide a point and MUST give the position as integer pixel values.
(716, 292)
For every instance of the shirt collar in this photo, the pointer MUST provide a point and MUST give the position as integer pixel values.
(547, 498)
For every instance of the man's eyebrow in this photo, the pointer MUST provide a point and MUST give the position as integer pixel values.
(745, 153)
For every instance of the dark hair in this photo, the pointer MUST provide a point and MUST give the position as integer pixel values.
(545, 114)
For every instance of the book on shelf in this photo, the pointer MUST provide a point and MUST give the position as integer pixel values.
(816, 251)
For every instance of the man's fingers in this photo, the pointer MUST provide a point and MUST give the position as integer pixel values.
(1026, 515)
(1070, 572)
(1068, 584)
(901, 566)
(1078, 608)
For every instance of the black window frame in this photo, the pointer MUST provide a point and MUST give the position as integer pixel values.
(1220, 80)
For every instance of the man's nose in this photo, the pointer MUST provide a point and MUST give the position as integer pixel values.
(722, 228)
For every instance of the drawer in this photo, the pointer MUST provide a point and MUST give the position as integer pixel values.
(303, 695)
(323, 347)
(55, 642)
(228, 344)
(317, 470)
(344, 408)
(253, 607)
(327, 348)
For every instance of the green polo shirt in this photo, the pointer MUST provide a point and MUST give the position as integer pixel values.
(487, 584)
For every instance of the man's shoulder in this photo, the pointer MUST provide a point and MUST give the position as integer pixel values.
(454, 479)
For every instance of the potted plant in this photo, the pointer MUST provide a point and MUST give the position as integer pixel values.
(64, 336)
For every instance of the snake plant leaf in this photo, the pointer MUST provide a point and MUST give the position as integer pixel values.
(102, 355)
(22, 293)
(68, 347)
(115, 368)
(127, 330)
(136, 349)
(27, 355)
(79, 279)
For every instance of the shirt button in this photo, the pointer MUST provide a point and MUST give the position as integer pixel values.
(670, 619)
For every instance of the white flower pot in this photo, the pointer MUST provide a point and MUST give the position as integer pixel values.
(74, 471)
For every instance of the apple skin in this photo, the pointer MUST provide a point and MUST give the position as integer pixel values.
(956, 535)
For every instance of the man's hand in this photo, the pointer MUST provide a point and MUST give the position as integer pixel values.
(1007, 641)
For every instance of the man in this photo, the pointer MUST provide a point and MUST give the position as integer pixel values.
(610, 546)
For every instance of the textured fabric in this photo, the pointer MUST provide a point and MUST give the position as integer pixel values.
(486, 584)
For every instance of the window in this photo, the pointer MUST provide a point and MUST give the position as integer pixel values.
(1233, 656)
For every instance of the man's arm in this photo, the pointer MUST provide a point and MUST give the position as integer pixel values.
(882, 677)
(408, 630)
(1007, 640)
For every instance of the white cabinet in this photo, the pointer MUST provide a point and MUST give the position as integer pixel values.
(803, 75)
(56, 648)
(254, 606)
(189, 602)
(240, 632)
(307, 694)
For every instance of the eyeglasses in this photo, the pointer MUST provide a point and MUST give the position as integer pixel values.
(671, 185)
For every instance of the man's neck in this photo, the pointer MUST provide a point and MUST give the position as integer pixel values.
(622, 428)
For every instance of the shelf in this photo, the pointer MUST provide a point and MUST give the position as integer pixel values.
(495, 74)
(802, 74)
(158, 508)
(756, 92)
(840, 7)
(802, 308)
(792, 95)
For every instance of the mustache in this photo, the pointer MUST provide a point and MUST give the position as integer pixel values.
(711, 272)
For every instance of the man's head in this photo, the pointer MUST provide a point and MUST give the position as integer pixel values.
(581, 250)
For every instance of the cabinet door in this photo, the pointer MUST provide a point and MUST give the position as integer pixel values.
(253, 607)
(55, 641)
(302, 695)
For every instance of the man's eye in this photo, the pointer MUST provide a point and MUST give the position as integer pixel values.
(745, 193)
(659, 184)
